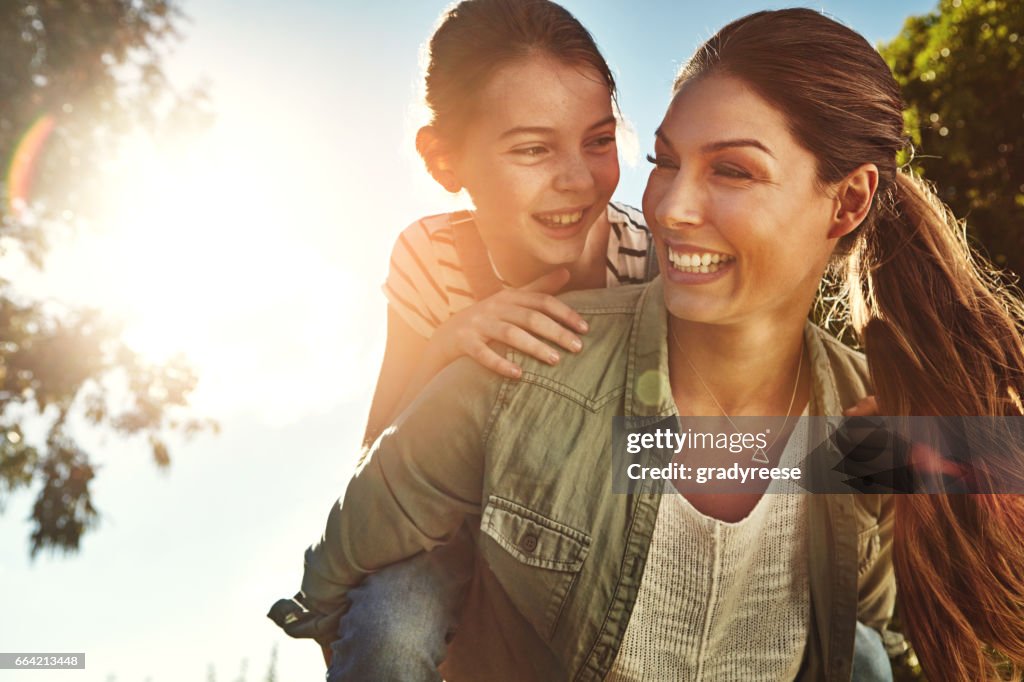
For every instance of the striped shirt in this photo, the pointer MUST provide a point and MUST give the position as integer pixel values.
(427, 282)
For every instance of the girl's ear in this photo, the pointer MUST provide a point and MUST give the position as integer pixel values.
(437, 158)
(853, 199)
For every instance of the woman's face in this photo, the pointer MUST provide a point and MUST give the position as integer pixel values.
(740, 222)
(539, 161)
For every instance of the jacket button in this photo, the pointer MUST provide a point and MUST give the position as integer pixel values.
(528, 543)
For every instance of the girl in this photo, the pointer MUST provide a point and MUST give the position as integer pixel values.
(523, 119)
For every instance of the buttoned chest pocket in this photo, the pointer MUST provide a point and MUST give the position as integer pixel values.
(536, 559)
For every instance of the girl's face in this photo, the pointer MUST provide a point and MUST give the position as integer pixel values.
(539, 161)
(740, 222)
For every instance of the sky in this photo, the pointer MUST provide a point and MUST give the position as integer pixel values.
(258, 249)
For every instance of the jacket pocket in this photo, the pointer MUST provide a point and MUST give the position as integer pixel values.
(536, 559)
(869, 544)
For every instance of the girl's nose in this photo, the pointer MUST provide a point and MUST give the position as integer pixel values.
(574, 175)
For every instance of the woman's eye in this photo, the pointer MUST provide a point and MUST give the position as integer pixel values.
(661, 161)
(734, 172)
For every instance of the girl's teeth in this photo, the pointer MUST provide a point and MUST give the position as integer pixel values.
(562, 218)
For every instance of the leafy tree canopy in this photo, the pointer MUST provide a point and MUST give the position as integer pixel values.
(961, 69)
(76, 77)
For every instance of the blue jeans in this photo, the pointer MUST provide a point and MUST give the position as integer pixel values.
(870, 660)
(401, 618)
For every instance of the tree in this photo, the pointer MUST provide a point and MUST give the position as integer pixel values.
(76, 77)
(961, 70)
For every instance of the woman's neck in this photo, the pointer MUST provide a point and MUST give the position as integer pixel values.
(739, 370)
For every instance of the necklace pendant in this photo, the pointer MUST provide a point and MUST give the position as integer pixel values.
(760, 456)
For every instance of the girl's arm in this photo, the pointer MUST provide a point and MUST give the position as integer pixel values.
(518, 318)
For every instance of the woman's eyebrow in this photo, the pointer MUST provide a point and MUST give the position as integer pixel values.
(719, 145)
(544, 130)
(728, 144)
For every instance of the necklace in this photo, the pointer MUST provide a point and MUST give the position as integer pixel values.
(760, 455)
(470, 217)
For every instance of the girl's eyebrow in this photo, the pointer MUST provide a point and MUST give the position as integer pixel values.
(717, 146)
(542, 130)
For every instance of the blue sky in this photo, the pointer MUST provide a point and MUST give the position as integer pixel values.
(313, 175)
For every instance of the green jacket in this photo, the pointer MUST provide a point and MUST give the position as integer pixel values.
(524, 467)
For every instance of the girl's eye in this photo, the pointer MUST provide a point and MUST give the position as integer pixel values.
(530, 151)
(734, 172)
(661, 161)
(604, 141)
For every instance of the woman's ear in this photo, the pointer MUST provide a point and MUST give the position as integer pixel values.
(437, 157)
(853, 200)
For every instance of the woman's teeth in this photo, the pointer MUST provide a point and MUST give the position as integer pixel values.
(703, 263)
(559, 219)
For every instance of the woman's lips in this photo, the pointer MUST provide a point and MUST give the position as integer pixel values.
(694, 265)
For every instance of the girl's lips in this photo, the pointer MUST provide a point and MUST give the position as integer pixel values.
(564, 224)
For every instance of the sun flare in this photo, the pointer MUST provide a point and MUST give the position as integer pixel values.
(203, 254)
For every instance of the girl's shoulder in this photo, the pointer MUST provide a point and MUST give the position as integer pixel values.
(429, 230)
(426, 282)
(627, 217)
(631, 258)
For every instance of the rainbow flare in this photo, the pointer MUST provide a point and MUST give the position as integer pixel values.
(21, 171)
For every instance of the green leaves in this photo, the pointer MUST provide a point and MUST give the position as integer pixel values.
(961, 70)
(76, 78)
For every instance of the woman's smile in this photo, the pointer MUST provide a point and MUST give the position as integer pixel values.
(696, 265)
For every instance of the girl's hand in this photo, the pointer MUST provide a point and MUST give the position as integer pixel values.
(519, 318)
(866, 407)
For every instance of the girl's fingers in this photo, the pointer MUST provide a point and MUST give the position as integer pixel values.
(525, 342)
(541, 325)
(553, 308)
(485, 356)
(515, 337)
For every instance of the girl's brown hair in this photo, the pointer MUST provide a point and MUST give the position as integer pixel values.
(941, 333)
(477, 37)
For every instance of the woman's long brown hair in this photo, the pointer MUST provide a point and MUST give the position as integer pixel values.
(941, 331)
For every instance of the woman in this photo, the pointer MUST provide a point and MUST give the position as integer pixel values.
(775, 161)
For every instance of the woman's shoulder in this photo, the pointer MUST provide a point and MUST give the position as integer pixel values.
(848, 367)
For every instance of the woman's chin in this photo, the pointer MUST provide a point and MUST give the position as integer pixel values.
(694, 308)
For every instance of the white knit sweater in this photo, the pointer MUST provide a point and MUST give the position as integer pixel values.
(723, 601)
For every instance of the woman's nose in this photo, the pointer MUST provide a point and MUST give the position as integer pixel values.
(574, 174)
(680, 205)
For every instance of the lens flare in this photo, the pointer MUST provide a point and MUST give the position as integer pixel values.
(22, 169)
